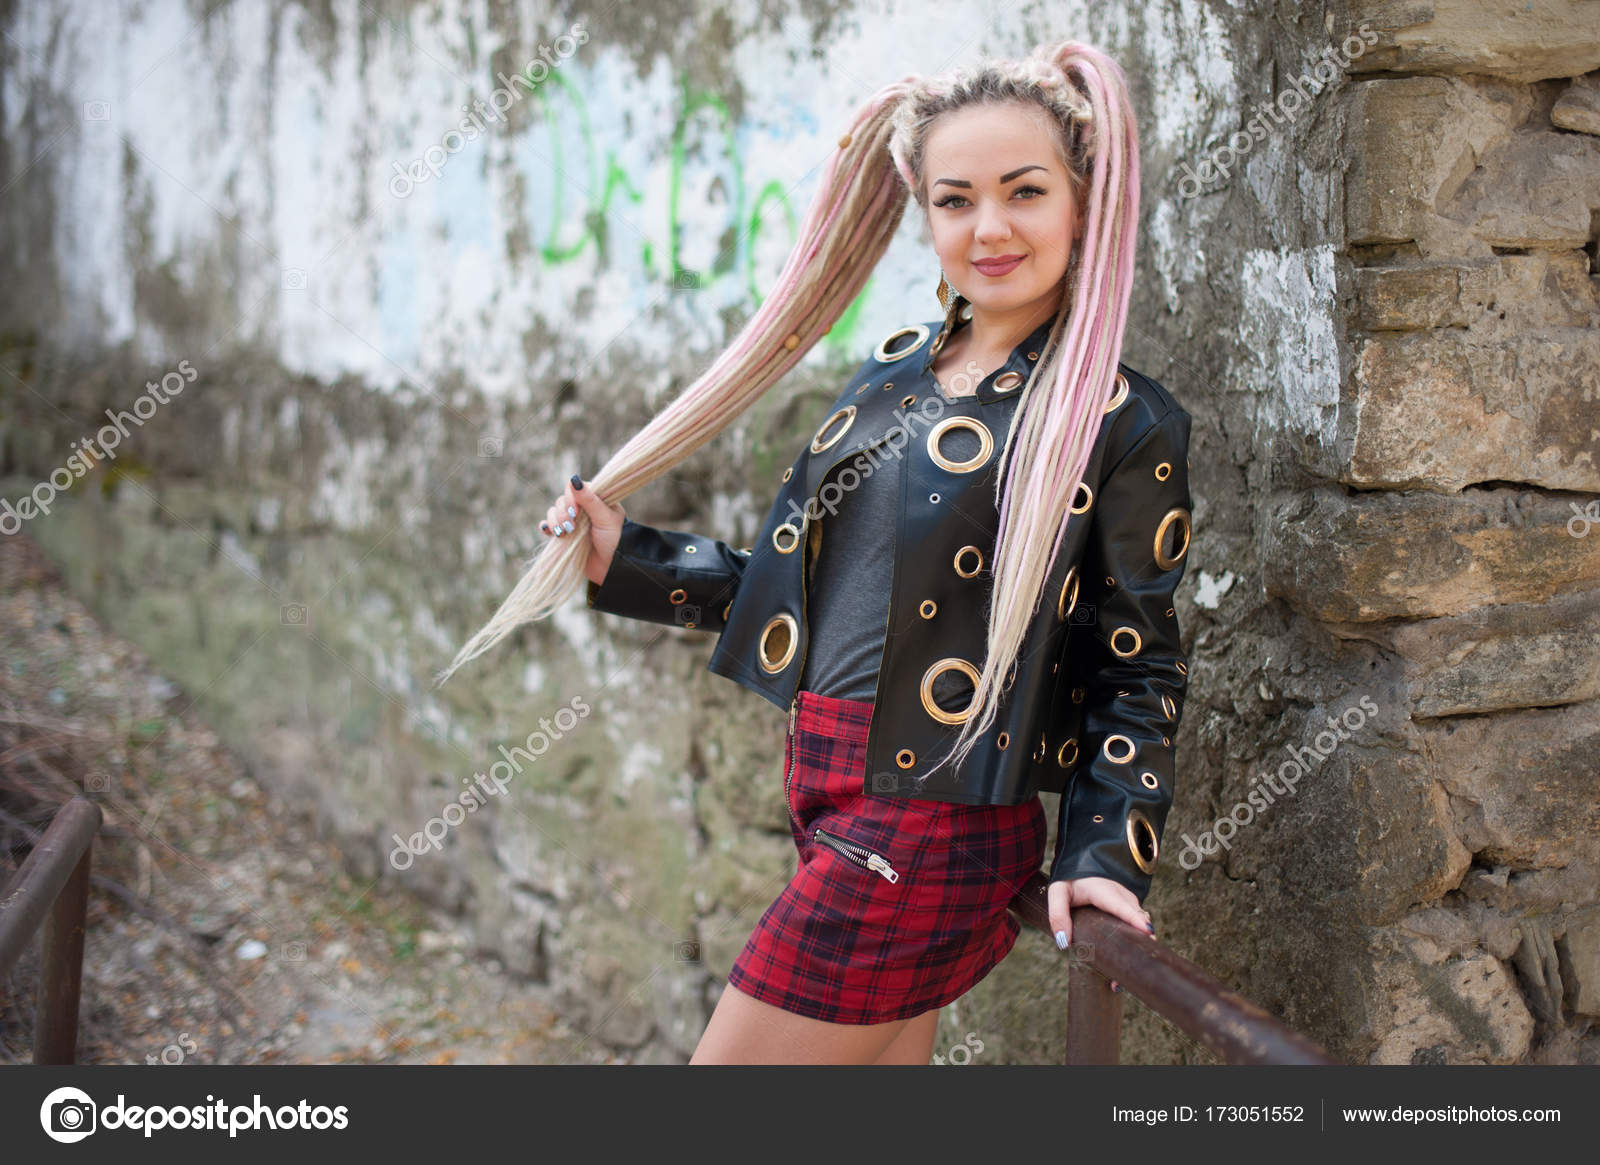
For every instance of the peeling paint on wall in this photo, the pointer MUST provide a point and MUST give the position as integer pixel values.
(1290, 350)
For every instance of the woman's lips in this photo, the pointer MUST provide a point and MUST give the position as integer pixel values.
(1001, 266)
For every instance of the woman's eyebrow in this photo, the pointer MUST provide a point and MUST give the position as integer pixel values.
(1003, 178)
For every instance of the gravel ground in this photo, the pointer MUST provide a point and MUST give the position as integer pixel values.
(196, 868)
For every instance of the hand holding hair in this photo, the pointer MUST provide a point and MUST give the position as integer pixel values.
(603, 529)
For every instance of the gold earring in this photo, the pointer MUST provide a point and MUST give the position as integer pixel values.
(947, 294)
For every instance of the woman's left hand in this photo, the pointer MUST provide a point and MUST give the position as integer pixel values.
(1112, 897)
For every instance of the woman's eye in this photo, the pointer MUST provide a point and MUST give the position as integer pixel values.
(951, 199)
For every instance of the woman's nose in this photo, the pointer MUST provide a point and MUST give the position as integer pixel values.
(992, 222)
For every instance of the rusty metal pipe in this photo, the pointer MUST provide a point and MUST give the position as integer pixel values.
(1234, 1029)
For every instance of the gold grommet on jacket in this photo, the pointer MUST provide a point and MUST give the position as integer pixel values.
(949, 663)
(1142, 840)
(1088, 498)
(885, 356)
(976, 568)
(818, 445)
(1126, 652)
(1068, 598)
(775, 652)
(793, 542)
(1067, 754)
(1125, 757)
(1007, 380)
(1120, 395)
(1171, 518)
(985, 444)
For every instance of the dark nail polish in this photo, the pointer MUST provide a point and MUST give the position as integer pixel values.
(577, 482)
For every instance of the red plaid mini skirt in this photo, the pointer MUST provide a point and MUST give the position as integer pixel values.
(898, 906)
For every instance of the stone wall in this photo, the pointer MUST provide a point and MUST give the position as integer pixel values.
(1380, 311)
(1445, 551)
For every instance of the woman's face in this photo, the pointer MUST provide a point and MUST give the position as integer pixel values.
(1000, 206)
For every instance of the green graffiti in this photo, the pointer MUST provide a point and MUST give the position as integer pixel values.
(692, 101)
(594, 227)
(775, 191)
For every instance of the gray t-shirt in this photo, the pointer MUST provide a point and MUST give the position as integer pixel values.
(847, 595)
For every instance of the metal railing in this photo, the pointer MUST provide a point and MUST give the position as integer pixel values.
(50, 892)
(1233, 1028)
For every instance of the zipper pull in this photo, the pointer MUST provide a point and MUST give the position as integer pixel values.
(875, 862)
(792, 706)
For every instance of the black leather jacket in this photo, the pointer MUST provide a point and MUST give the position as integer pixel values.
(1094, 699)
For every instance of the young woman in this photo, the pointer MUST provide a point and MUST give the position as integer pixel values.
(1005, 520)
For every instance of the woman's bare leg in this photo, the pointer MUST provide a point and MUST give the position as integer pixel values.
(745, 1030)
(914, 1044)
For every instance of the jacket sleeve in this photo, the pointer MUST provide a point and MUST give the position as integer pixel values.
(669, 577)
(1131, 668)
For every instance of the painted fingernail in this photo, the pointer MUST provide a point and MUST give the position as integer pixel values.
(571, 512)
(1150, 927)
(577, 482)
(544, 526)
(559, 531)
(1117, 987)
(567, 526)
(1061, 939)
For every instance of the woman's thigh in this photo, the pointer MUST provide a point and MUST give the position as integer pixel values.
(745, 1030)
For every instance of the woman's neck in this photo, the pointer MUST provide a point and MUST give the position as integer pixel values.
(993, 334)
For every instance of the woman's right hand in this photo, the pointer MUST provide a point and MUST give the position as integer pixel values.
(605, 525)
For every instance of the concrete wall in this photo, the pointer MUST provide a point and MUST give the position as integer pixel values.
(1379, 308)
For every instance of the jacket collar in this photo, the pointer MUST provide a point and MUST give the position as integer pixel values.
(1021, 361)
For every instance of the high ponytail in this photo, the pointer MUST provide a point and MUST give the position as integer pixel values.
(849, 226)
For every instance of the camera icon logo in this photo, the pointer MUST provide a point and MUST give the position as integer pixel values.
(687, 613)
(292, 615)
(886, 782)
(294, 951)
(68, 1115)
(687, 951)
(97, 111)
(97, 783)
(294, 279)
(491, 446)
(1083, 613)
(686, 280)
